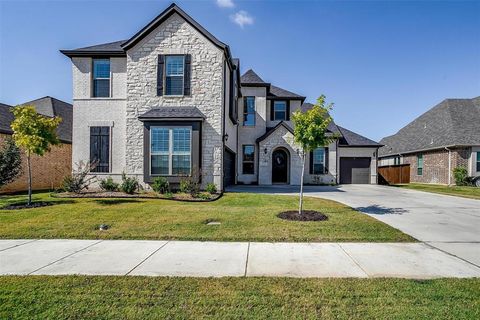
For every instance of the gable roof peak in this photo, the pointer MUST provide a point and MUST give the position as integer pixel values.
(251, 77)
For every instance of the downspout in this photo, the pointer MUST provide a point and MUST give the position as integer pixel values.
(449, 165)
(337, 162)
(224, 122)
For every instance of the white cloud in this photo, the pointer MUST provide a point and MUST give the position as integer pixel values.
(242, 18)
(225, 3)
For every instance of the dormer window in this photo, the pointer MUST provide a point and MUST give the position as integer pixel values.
(101, 78)
(279, 110)
(174, 75)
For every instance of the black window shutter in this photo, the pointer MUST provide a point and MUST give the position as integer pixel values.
(325, 170)
(272, 110)
(311, 162)
(160, 68)
(100, 148)
(287, 116)
(187, 75)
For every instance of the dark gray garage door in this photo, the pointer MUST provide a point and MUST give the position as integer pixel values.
(354, 170)
(228, 168)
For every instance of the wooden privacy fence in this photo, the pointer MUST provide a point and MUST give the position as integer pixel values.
(394, 174)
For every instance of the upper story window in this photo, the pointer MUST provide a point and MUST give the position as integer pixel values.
(420, 164)
(174, 75)
(101, 78)
(318, 161)
(279, 110)
(396, 160)
(249, 111)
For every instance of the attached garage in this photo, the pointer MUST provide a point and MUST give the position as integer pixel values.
(228, 168)
(355, 170)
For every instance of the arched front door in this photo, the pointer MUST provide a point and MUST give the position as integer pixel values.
(280, 166)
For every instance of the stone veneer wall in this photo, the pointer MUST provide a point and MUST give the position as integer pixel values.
(176, 36)
(435, 165)
(47, 171)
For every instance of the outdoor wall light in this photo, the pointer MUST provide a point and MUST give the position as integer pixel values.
(226, 136)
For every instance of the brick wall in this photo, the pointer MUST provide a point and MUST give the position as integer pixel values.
(435, 165)
(47, 171)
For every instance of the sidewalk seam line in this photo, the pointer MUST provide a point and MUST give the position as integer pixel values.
(18, 245)
(451, 254)
(151, 254)
(68, 255)
(354, 261)
(246, 261)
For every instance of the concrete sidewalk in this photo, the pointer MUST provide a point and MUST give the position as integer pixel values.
(237, 259)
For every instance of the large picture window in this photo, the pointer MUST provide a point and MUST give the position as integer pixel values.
(280, 110)
(174, 71)
(101, 78)
(100, 149)
(420, 164)
(248, 160)
(249, 111)
(318, 161)
(170, 151)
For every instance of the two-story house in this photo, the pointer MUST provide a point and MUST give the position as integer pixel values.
(170, 102)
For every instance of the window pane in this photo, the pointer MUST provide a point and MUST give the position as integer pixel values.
(248, 153)
(248, 168)
(181, 164)
(250, 104)
(181, 140)
(478, 161)
(280, 115)
(159, 164)
(249, 111)
(319, 155)
(174, 86)
(280, 106)
(318, 169)
(101, 88)
(101, 68)
(160, 140)
(174, 65)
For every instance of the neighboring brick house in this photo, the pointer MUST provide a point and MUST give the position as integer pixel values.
(47, 171)
(445, 137)
(165, 103)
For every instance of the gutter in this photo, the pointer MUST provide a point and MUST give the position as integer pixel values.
(449, 165)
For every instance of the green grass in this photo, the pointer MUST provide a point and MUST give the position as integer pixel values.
(81, 297)
(466, 192)
(243, 217)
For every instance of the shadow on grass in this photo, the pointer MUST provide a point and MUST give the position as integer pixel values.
(111, 202)
(376, 209)
(18, 205)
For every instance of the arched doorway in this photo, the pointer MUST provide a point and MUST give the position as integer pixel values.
(280, 166)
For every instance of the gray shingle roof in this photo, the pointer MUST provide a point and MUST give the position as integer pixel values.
(172, 113)
(46, 106)
(332, 127)
(453, 122)
(52, 107)
(111, 48)
(251, 78)
(272, 129)
(276, 92)
(352, 139)
(6, 117)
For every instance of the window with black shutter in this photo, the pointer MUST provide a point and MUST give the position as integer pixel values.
(100, 148)
(319, 161)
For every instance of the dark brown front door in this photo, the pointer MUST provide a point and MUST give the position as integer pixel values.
(279, 166)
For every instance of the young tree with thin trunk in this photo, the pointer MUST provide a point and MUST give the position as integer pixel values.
(311, 132)
(35, 134)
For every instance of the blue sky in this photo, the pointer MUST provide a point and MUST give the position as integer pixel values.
(382, 62)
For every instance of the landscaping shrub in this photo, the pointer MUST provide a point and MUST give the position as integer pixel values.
(161, 185)
(461, 176)
(108, 184)
(78, 181)
(10, 162)
(211, 188)
(129, 184)
(189, 185)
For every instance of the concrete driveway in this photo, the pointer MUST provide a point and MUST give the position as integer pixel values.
(448, 223)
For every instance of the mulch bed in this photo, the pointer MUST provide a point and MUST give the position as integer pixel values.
(307, 215)
(23, 205)
(147, 195)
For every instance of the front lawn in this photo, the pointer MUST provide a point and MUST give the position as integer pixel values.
(82, 297)
(243, 217)
(466, 192)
